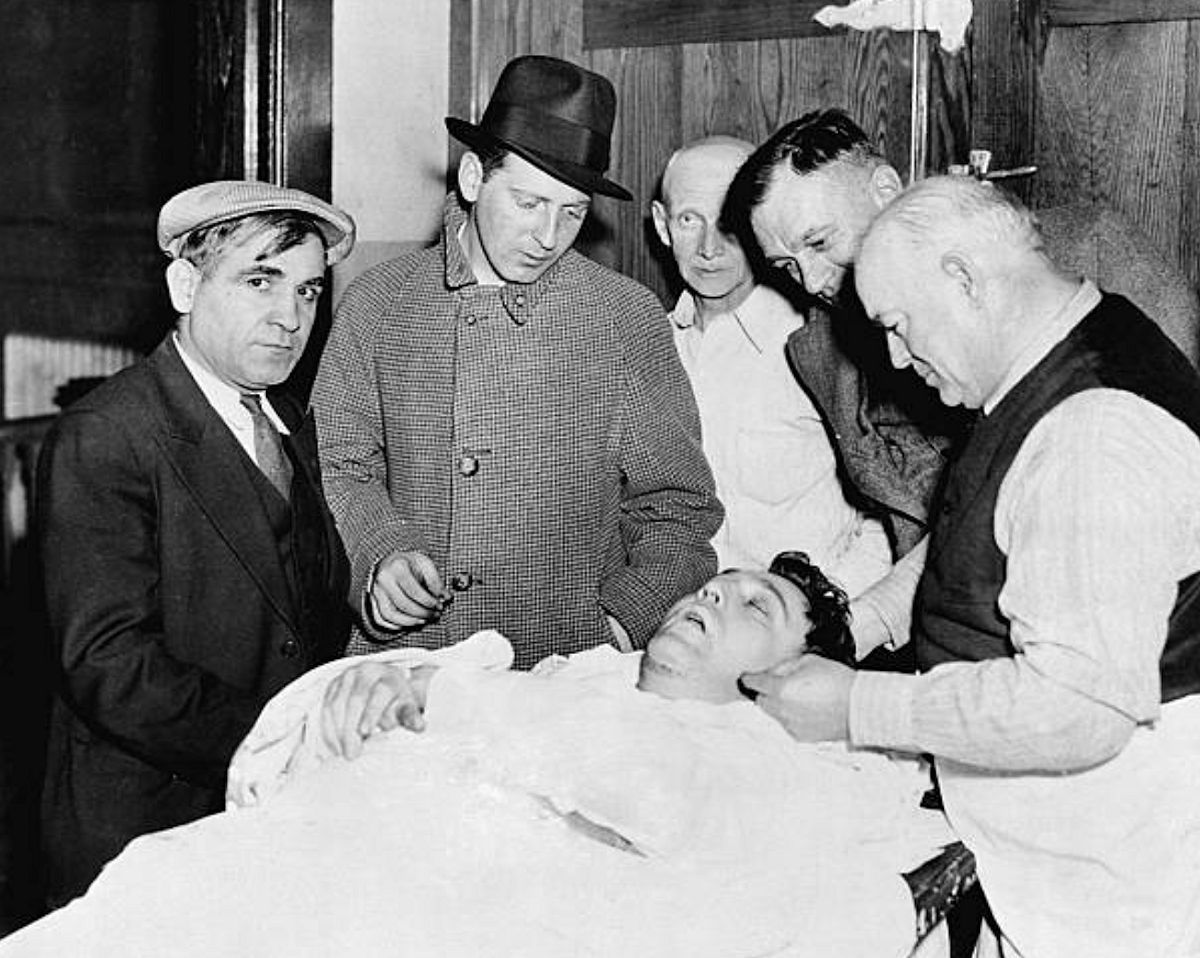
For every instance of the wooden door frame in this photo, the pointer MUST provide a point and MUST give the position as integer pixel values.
(265, 91)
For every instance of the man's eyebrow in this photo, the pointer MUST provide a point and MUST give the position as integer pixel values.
(520, 191)
(259, 268)
(774, 590)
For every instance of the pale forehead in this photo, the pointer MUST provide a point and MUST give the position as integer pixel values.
(258, 249)
(794, 203)
(518, 173)
(885, 265)
(703, 171)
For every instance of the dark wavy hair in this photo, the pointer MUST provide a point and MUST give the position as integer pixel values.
(806, 144)
(287, 228)
(828, 606)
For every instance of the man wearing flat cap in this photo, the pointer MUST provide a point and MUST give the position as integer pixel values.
(507, 437)
(192, 566)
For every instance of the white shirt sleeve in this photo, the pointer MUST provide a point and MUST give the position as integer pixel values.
(1099, 517)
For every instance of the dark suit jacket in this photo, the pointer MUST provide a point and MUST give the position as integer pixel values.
(174, 614)
(891, 434)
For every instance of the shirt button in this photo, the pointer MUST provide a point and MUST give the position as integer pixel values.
(461, 581)
(290, 649)
(468, 465)
(519, 299)
(469, 319)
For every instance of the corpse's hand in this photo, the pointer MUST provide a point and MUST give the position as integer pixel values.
(369, 698)
(406, 591)
(808, 696)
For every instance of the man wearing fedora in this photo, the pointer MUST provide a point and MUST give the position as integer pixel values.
(192, 567)
(507, 437)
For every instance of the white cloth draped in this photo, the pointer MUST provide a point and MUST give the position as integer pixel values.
(456, 841)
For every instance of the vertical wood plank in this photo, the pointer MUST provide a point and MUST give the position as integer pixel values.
(1188, 249)
(877, 91)
(645, 79)
(221, 75)
(1004, 83)
(1112, 119)
(950, 108)
(1063, 134)
(307, 78)
(556, 30)
(1137, 101)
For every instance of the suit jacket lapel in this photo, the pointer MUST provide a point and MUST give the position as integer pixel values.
(208, 461)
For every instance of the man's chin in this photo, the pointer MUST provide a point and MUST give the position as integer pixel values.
(662, 678)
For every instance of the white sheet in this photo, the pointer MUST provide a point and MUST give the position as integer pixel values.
(447, 844)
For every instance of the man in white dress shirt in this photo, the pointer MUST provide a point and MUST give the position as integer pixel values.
(1057, 620)
(775, 468)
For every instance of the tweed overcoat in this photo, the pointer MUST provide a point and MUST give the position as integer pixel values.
(173, 612)
(540, 442)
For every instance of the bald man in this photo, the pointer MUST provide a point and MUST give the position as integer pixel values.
(1055, 623)
(775, 468)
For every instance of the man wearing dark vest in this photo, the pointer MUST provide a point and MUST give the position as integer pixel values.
(1057, 621)
(192, 567)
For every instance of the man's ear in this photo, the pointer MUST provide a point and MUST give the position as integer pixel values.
(182, 279)
(961, 269)
(885, 185)
(470, 176)
(658, 213)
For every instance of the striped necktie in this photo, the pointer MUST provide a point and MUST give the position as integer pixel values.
(268, 447)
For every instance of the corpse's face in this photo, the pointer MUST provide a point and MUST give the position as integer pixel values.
(247, 317)
(928, 320)
(741, 621)
(521, 222)
(811, 225)
(710, 262)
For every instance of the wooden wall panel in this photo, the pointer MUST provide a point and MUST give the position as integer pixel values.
(877, 90)
(669, 94)
(1109, 113)
(1188, 156)
(1004, 40)
(1111, 123)
(620, 235)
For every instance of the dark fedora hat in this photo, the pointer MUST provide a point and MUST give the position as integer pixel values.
(554, 114)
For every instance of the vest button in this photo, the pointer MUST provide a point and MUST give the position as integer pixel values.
(468, 465)
(290, 649)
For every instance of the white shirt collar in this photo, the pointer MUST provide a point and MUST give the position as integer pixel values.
(226, 400)
(763, 315)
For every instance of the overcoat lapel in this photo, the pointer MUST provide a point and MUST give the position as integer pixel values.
(208, 462)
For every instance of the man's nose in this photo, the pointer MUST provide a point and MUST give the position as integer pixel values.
(287, 313)
(711, 242)
(711, 592)
(898, 350)
(815, 270)
(546, 230)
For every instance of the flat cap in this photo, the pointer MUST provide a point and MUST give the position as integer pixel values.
(221, 200)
